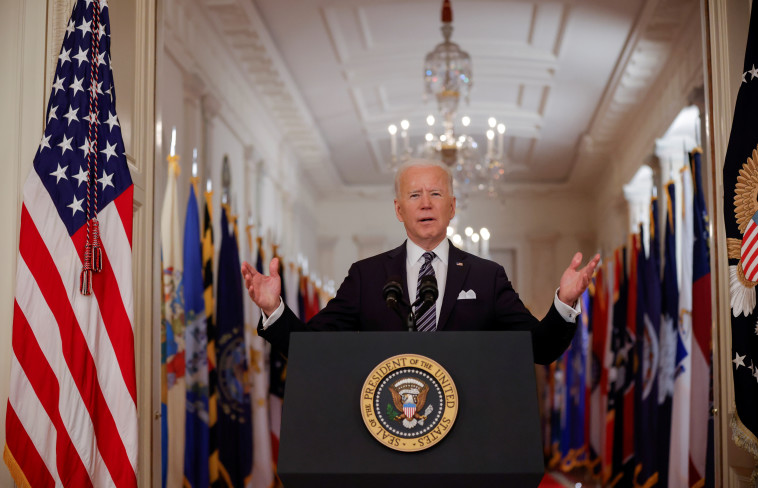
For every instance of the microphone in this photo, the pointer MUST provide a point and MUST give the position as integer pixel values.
(392, 292)
(427, 295)
(427, 291)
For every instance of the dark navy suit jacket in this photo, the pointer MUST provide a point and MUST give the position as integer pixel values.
(359, 304)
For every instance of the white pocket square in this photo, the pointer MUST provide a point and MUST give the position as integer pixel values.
(467, 295)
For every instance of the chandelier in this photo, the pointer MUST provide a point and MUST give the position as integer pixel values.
(447, 76)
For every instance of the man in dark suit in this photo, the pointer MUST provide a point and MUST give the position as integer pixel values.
(474, 293)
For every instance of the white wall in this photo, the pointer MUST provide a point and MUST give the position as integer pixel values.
(22, 63)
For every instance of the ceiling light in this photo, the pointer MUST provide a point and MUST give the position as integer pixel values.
(447, 77)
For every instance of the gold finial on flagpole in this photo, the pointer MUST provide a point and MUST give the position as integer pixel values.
(173, 159)
(259, 243)
(209, 196)
(194, 180)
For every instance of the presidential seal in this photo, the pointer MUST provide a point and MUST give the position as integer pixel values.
(409, 402)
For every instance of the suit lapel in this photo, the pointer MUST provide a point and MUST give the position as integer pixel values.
(457, 269)
(396, 267)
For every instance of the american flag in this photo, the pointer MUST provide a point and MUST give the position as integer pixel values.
(72, 416)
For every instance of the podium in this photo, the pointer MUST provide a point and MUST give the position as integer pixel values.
(495, 439)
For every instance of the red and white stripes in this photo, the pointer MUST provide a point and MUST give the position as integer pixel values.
(72, 406)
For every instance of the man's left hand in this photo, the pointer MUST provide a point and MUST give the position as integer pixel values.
(574, 280)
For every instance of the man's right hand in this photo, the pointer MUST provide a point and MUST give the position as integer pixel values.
(264, 290)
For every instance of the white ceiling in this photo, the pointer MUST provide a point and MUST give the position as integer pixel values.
(562, 75)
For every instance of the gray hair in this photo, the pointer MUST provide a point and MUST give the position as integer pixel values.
(422, 163)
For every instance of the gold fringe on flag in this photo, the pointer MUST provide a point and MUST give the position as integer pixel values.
(18, 475)
(742, 436)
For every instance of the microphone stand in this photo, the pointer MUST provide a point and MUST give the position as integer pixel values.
(393, 297)
(410, 319)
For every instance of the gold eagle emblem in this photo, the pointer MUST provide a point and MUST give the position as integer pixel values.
(741, 280)
(403, 398)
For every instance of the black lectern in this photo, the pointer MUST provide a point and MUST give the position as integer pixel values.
(494, 441)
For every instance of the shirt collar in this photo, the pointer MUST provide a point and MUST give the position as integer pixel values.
(414, 251)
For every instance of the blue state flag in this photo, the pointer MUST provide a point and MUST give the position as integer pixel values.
(668, 338)
(196, 471)
(621, 344)
(234, 424)
(648, 349)
(573, 449)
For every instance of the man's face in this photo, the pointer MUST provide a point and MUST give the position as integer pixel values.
(425, 205)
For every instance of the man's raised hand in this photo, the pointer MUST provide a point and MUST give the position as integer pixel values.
(264, 290)
(574, 280)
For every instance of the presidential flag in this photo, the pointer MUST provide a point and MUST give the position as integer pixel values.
(197, 435)
(233, 427)
(740, 216)
(71, 417)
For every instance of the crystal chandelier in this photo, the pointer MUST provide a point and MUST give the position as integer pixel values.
(447, 76)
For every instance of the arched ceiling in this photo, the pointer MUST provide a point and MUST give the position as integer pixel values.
(563, 76)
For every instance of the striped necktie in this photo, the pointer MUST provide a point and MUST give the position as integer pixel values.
(428, 321)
